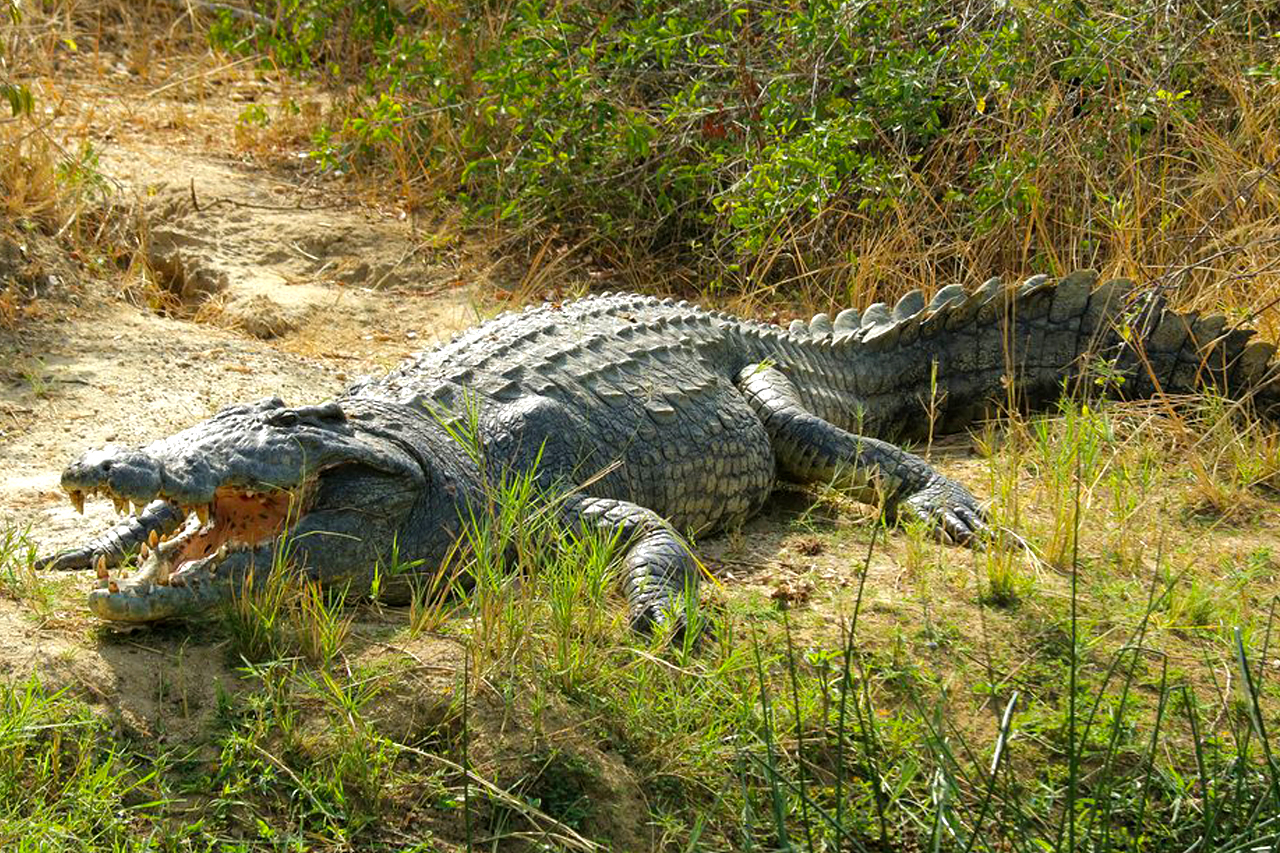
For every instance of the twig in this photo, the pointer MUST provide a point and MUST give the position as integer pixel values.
(377, 285)
(744, 564)
(204, 73)
(560, 833)
(257, 206)
(1036, 559)
(303, 252)
(655, 659)
(449, 670)
(211, 6)
(296, 781)
(1245, 196)
(151, 649)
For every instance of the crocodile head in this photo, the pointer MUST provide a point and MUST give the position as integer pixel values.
(327, 487)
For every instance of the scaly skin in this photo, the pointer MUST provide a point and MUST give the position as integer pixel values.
(661, 417)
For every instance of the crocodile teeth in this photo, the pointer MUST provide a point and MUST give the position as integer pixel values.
(202, 513)
(162, 573)
(122, 505)
(222, 553)
(101, 566)
(138, 507)
(77, 500)
(154, 539)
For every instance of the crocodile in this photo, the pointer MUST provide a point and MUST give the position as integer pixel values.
(652, 419)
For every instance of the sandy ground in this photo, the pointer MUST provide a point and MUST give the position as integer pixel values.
(278, 319)
(263, 281)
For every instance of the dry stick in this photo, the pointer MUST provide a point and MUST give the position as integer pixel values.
(208, 5)
(1156, 300)
(1073, 757)
(466, 751)
(443, 670)
(1246, 196)
(320, 807)
(413, 250)
(559, 832)
(204, 73)
(1168, 282)
(1219, 254)
(288, 208)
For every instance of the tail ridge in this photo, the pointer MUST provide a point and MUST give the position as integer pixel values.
(1032, 336)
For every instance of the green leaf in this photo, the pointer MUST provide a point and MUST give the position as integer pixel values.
(19, 97)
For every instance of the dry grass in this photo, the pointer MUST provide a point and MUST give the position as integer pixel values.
(1195, 210)
(1191, 201)
(1194, 205)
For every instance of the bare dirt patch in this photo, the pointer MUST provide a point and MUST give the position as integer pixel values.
(250, 280)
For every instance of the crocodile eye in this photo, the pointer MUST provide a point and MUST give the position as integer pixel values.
(286, 418)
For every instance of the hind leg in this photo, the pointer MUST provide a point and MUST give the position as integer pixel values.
(809, 448)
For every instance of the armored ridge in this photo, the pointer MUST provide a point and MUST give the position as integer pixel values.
(660, 418)
(875, 366)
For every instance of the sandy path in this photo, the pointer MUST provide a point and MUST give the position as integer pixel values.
(294, 299)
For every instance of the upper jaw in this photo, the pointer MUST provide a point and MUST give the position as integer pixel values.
(236, 449)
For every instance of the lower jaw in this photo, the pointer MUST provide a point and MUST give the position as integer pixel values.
(194, 589)
(134, 604)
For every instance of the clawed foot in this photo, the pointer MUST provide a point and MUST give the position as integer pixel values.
(671, 622)
(950, 509)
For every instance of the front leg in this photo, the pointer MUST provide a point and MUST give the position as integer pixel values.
(813, 450)
(658, 570)
(113, 546)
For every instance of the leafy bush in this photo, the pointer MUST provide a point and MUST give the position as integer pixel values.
(759, 141)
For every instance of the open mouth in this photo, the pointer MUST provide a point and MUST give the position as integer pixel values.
(179, 567)
(235, 521)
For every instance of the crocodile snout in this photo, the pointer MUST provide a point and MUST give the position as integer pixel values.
(138, 476)
(123, 473)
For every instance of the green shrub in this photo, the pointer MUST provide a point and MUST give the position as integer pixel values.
(757, 141)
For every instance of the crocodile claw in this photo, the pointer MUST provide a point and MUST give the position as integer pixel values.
(673, 622)
(950, 509)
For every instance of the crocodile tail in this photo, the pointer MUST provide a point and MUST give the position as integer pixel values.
(1187, 352)
(967, 353)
